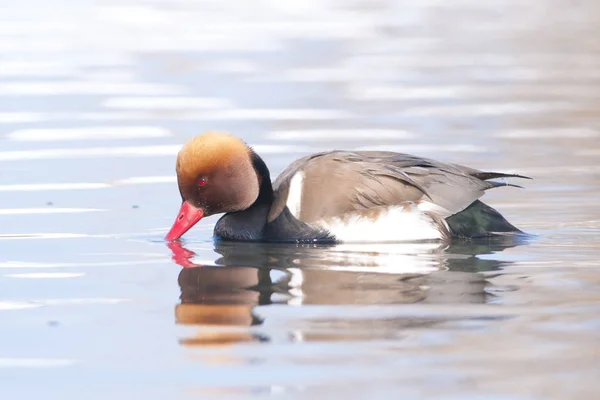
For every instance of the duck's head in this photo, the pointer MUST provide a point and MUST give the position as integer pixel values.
(215, 174)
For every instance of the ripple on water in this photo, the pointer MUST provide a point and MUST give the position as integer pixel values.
(55, 88)
(166, 103)
(221, 297)
(340, 134)
(88, 133)
(492, 85)
(35, 362)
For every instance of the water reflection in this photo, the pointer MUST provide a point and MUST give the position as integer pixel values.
(221, 299)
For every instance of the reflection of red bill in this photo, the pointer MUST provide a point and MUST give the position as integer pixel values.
(181, 255)
(187, 217)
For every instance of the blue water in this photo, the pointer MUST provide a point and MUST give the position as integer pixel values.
(93, 303)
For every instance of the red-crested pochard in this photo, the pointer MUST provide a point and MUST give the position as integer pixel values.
(336, 196)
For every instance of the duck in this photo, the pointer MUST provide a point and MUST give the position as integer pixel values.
(334, 196)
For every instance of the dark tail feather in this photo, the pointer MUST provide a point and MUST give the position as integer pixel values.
(479, 220)
(484, 176)
(500, 184)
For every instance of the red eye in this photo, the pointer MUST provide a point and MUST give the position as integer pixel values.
(202, 181)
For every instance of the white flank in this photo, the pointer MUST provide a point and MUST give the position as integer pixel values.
(429, 206)
(294, 199)
(392, 225)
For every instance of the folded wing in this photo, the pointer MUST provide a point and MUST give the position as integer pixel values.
(337, 182)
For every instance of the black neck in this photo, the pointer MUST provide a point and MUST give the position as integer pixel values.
(249, 224)
(265, 194)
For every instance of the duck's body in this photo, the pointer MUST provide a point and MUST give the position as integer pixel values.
(343, 196)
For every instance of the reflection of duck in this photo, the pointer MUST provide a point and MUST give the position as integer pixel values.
(218, 298)
(223, 296)
(336, 196)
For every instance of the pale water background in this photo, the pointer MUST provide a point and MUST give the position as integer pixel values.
(96, 97)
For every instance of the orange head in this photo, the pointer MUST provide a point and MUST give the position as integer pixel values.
(215, 174)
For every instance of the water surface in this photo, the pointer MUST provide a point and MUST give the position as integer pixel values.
(96, 98)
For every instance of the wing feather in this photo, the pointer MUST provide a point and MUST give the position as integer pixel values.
(337, 182)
